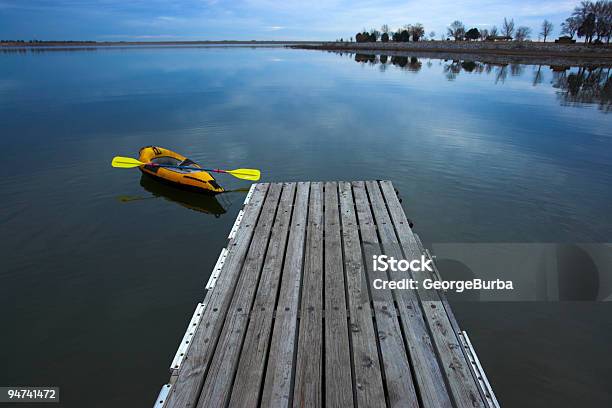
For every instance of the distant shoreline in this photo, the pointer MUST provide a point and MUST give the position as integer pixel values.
(28, 44)
(577, 51)
(521, 52)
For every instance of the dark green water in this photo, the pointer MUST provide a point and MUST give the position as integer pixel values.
(95, 292)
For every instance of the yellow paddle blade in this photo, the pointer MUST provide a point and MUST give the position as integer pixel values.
(245, 174)
(126, 162)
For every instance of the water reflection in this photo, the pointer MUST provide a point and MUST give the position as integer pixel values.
(371, 58)
(577, 85)
(193, 200)
(585, 86)
(404, 62)
(409, 63)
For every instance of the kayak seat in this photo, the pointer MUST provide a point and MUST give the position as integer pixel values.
(166, 160)
(187, 162)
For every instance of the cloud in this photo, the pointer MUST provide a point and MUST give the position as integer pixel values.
(140, 37)
(260, 19)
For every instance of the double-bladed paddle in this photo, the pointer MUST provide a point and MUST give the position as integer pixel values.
(128, 162)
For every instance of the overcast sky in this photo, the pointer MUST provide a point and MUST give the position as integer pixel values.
(257, 19)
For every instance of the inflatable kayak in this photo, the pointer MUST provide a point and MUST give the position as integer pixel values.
(186, 178)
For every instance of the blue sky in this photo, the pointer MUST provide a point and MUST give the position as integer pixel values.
(256, 19)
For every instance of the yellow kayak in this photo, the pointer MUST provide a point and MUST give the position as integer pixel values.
(186, 178)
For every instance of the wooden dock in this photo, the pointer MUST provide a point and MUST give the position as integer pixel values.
(290, 316)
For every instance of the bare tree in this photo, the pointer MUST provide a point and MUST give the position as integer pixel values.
(522, 33)
(375, 34)
(570, 26)
(603, 15)
(547, 28)
(384, 29)
(484, 33)
(493, 32)
(608, 19)
(456, 30)
(508, 27)
(432, 35)
(417, 31)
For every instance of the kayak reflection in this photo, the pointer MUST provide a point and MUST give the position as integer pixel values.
(196, 201)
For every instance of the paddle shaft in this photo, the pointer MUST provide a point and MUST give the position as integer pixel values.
(172, 166)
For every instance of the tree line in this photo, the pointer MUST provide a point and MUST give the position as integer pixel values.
(508, 31)
(591, 20)
(456, 30)
(409, 32)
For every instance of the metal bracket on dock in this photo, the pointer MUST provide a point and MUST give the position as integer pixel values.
(160, 402)
(482, 378)
(217, 269)
(186, 342)
(249, 194)
(232, 233)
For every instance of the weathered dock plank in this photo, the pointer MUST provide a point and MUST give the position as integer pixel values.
(457, 371)
(428, 373)
(187, 387)
(338, 372)
(369, 386)
(309, 365)
(218, 381)
(249, 375)
(398, 376)
(279, 374)
(292, 317)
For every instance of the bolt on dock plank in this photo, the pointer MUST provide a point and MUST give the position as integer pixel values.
(291, 318)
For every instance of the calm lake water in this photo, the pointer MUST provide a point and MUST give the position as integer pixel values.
(101, 270)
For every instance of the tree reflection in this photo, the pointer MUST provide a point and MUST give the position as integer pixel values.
(404, 62)
(516, 69)
(414, 65)
(399, 61)
(468, 66)
(363, 58)
(452, 69)
(409, 63)
(588, 85)
(537, 76)
(501, 73)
